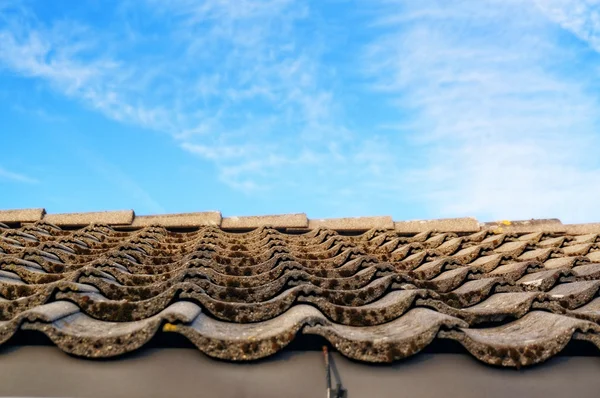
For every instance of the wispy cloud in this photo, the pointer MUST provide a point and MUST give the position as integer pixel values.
(507, 124)
(232, 75)
(72, 58)
(581, 17)
(16, 177)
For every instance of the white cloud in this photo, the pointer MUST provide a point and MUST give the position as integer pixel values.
(581, 17)
(16, 177)
(506, 133)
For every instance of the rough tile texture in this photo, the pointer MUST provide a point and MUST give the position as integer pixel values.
(353, 223)
(466, 224)
(510, 298)
(526, 226)
(276, 221)
(21, 215)
(581, 229)
(123, 217)
(182, 220)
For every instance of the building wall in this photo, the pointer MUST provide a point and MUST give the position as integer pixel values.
(185, 372)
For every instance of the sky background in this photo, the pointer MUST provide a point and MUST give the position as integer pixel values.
(411, 108)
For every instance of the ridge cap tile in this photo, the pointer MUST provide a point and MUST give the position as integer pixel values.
(460, 224)
(525, 226)
(291, 220)
(582, 229)
(116, 217)
(353, 223)
(22, 215)
(192, 219)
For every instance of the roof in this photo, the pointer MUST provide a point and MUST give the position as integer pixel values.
(513, 293)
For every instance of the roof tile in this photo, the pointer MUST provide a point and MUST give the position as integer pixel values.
(21, 215)
(466, 224)
(199, 219)
(577, 229)
(120, 217)
(276, 221)
(550, 225)
(353, 223)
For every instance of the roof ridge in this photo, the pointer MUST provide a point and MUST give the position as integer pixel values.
(291, 221)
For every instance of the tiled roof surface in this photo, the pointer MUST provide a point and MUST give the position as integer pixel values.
(242, 288)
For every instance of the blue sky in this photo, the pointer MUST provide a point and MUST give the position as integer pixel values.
(415, 109)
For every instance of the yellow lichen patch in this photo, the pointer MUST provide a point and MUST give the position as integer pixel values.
(497, 231)
(169, 327)
(506, 222)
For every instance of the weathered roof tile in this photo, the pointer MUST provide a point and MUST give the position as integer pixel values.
(21, 215)
(466, 224)
(276, 221)
(581, 229)
(550, 225)
(122, 217)
(353, 223)
(209, 218)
